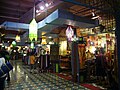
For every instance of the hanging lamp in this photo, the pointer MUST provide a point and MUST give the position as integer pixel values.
(17, 38)
(33, 26)
(43, 40)
(69, 33)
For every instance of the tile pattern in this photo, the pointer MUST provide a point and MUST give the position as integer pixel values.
(22, 79)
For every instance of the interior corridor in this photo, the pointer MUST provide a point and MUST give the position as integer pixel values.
(22, 79)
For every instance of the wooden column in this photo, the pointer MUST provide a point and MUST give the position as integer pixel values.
(117, 33)
(74, 57)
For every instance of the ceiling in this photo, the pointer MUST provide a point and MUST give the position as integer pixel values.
(9, 35)
(14, 10)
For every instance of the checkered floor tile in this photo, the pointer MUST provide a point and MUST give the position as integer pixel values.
(22, 79)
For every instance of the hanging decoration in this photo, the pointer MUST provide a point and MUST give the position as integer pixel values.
(13, 43)
(33, 27)
(17, 38)
(32, 45)
(43, 40)
(69, 33)
(33, 30)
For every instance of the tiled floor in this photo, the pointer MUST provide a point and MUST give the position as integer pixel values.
(22, 79)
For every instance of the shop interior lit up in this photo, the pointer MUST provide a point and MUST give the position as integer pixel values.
(67, 37)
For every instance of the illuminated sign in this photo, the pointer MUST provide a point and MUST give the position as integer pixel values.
(33, 30)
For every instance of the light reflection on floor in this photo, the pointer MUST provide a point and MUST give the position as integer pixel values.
(21, 79)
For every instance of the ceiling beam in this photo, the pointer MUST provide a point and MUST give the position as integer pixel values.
(85, 5)
(32, 1)
(23, 1)
(10, 32)
(87, 9)
(8, 13)
(12, 8)
(15, 4)
(8, 17)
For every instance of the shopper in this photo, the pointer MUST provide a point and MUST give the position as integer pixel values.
(2, 78)
(100, 65)
(32, 61)
(4, 53)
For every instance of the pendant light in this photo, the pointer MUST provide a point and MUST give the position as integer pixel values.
(43, 40)
(33, 26)
(17, 38)
(69, 33)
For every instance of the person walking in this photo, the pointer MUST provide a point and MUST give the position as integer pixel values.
(101, 66)
(2, 78)
(32, 61)
(4, 53)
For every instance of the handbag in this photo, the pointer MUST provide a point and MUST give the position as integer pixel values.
(1, 72)
(5, 68)
(9, 66)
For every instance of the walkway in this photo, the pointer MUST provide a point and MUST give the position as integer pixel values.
(21, 79)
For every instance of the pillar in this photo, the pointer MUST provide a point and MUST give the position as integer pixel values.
(117, 33)
(74, 58)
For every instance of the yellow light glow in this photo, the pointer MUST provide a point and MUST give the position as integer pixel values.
(9, 48)
(43, 33)
(63, 48)
(17, 38)
(92, 49)
(43, 40)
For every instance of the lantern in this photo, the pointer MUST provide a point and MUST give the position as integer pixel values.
(14, 43)
(17, 38)
(69, 33)
(43, 40)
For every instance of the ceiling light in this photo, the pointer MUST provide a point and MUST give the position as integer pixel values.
(93, 14)
(49, 37)
(95, 17)
(46, 4)
(37, 11)
(43, 40)
(13, 43)
(17, 38)
(114, 28)
(69, 33)
(41, 7)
